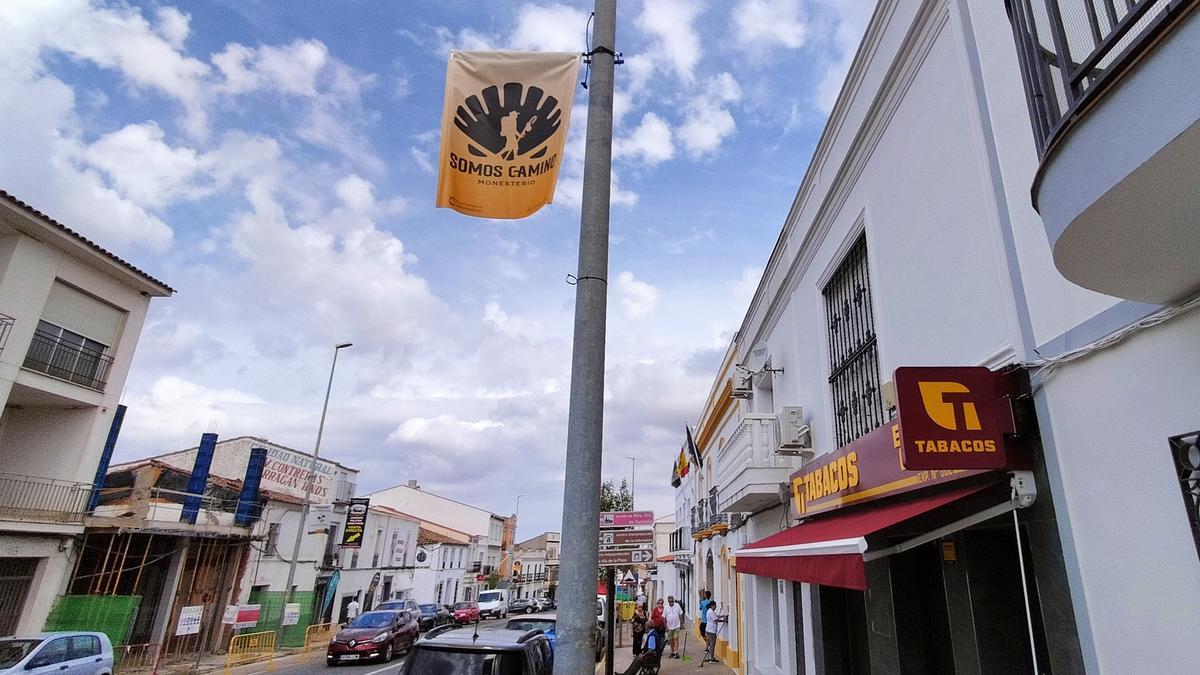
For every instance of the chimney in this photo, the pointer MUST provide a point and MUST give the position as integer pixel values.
(413, 484)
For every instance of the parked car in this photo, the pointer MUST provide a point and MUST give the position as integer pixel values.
(494, 603)
(466, 612)
(379, 634)
(410, 605)
(548, 624)
(489, 650)
(522, 606)
(432, 616)
(544, 604)
(62, 653)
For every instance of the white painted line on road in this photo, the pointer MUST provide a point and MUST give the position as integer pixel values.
(380, 670)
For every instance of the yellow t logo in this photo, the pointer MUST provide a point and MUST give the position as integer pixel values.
(943, 412)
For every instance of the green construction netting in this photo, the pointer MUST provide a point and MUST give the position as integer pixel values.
(272, 614)
(109, 614)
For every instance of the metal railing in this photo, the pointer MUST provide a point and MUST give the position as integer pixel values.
(1069, 50)
(134, 658)
(251, 648)
(50, 355)
(162, 504)
(6, 324)
(318, 636)
(42, 500)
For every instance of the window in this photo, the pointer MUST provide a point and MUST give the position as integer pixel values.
(354, 559)
(1185, 449)
(55, 651)
(83, 646)
(378, 548)
(853, 357)
(70, 356)
(272, 539)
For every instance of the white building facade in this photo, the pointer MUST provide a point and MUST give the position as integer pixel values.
(912, 241)
(70, 317)
(384, 568)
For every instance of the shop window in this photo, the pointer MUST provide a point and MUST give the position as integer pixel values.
(853, 353)
(1185, 450)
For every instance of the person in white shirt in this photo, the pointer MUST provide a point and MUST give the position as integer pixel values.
(710, 632)
(352, 610)
(673, 615)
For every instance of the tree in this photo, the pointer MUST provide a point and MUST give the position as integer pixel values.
(493, 580)
(615, 499)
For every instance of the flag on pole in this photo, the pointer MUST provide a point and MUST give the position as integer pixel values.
(690, 445)
(504, 126)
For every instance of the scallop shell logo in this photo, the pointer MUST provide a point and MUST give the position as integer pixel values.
(509, 123)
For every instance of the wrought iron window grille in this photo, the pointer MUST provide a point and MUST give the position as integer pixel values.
(1185, 451)
(853, 355)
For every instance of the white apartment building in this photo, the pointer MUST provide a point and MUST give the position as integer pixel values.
(663, 579)
(535, 566)
(70, 316)
(913, 241)
(493, 556)
(384, 568)
(443, 566)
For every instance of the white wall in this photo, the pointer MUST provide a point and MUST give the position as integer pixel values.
(434, 508)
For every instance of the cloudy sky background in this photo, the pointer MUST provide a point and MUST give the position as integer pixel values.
(275, 163)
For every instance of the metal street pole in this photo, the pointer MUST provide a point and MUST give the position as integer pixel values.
(632, 483)
(308, 486)
(575, 651)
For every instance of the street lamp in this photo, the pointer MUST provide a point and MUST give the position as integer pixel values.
(308, 487)
(632, 483)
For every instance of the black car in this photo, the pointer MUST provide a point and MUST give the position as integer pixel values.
(432, 616)
(487, 650)
(522, 606)
(548, 624)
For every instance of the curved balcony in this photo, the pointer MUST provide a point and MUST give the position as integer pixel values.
(1114, 97)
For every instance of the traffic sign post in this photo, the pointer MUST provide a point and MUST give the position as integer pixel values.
(626, 518)
(625, 537)
(623, 557)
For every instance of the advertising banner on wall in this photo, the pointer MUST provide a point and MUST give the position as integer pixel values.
(356, 522)
(504, 127)
(189, 620)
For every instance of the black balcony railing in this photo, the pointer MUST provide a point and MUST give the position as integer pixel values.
(475, 568)
(55, 357)
(42, 500)
(6, 324)
(1071, 49)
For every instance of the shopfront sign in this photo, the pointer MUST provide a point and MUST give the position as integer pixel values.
(866, 469)
(356, 522)
(952, 418)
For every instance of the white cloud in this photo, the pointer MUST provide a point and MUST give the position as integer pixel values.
(356, 194)
(762, 25)
(290, 69)
(671, 23)
(173, 25)
(851, 17)
(551, 28)
(465, 40)
(650, 142)
(708, 121)
(638, 298)
(143, 167)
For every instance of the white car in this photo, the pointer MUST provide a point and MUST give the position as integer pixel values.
(66, 653)
(493, 603)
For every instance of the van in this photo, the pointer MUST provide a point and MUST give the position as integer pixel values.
(493, 603)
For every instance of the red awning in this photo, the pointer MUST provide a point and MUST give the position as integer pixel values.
(829, 550)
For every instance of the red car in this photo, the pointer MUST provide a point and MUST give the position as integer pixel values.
(466, 612)
(373, 635)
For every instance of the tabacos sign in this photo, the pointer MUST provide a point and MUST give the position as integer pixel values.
(504, 127)
(952, 417)
(866, 469)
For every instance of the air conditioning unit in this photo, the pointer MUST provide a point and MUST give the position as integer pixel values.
(785, 493)
(742, 388)
(736, 520)
(795, 435)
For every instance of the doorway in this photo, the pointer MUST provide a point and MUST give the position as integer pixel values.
(16, 577)
(843, 631)
(919, 602)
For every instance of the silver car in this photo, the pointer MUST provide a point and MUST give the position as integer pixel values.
(64, 653)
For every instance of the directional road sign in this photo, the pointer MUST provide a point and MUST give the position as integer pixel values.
(626, 518)
(626, 537)
(626, 557)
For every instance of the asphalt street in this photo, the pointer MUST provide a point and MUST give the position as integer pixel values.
(315, 663)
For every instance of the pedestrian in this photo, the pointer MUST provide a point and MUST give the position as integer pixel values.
(705, 601)
(656, 617)
(641, 598)
(639, 628)
(711, 621)
(673, 615)
(352, 610)
(647, 654)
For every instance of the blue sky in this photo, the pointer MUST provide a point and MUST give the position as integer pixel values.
(274, 163)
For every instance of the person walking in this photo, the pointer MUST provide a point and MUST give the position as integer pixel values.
(656, 617)
(705, 601)
(639, 628)
(352, 610)
(711, 623)
(673, 615)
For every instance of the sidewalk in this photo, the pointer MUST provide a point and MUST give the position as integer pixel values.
(690, 663)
